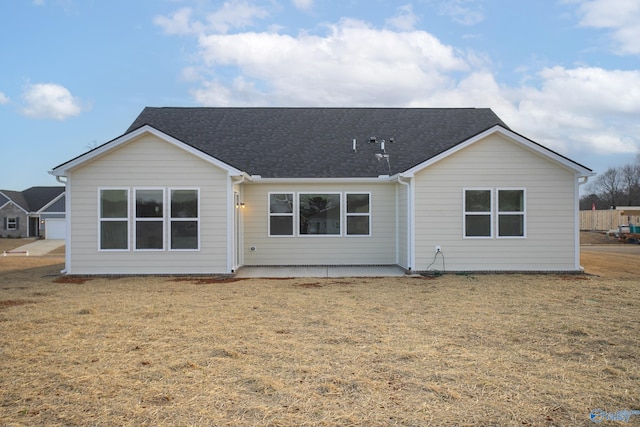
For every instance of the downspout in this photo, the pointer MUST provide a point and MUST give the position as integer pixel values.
(409, 222)
(582, 180)
(67, 219)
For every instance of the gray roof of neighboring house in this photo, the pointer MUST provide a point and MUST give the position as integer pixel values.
(318, 142)
(35, 198)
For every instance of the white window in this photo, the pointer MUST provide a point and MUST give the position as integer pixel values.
(185, 219)
(507, 213)
(477, 213)
(162, 218)
(511, 210)
(319, 214)
(358, 214)
(281, 214)
(114, 219)
(12, 223)
(149, 219)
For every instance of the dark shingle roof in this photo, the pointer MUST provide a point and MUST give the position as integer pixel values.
(17, 197)
(317, 142)
(35, 198)
(39, 197)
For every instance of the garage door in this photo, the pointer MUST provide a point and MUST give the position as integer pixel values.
(55, 229)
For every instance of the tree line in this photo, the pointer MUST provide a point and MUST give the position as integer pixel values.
(617, 186)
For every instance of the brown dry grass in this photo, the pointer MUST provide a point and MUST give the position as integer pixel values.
(456, 350)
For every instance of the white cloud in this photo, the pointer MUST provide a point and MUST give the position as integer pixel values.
(303, 4)
(581, 109)
(405, 20)
(353, 63)
(4, 99)
(465, 12)
(233, 14)
(621, 17)
(50, 101)
(177, 23)
(571, 110)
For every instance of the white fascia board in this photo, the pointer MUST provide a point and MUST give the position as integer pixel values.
(522, 141)
(257, 179)
(63, 169)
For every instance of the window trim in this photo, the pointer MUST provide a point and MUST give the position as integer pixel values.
(356, 214)
(171, 219)
(101, 220)
(340, 214)
(12, 223)
(293, 215)
(523, 213)
(484, 213)
(137, 219)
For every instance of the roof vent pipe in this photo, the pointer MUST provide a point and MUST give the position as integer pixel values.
(354, 145)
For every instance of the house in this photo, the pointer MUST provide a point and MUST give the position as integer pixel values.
(34, 212)
(210, 190)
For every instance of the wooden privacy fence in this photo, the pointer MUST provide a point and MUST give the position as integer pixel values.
(609, 219)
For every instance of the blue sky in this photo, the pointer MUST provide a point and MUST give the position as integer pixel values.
(75, 73)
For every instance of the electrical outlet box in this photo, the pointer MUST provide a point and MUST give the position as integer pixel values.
(438, 248)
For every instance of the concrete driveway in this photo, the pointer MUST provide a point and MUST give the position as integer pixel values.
(39, 247)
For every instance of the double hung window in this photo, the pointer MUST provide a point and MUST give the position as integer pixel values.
(12, 223)
(114, 219)
(482, 214)
(358, 214)
(510, 213)
(149, 219)
(185, 214)
(281, 214)
(477, 213)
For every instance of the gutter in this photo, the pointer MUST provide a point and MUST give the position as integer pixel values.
(409, 221)
(581, 180)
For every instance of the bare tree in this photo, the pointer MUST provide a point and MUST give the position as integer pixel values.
(630, 179)
(609, 186)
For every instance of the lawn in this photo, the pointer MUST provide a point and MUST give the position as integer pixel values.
(523, 350)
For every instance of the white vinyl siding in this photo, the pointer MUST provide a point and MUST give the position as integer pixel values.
(496, 163)
(149, 162)
(377, 248)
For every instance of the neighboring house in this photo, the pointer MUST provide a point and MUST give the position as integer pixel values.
(210, 190)
(34, 212)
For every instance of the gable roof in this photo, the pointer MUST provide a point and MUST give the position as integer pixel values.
(318, 142)
(35, 198)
